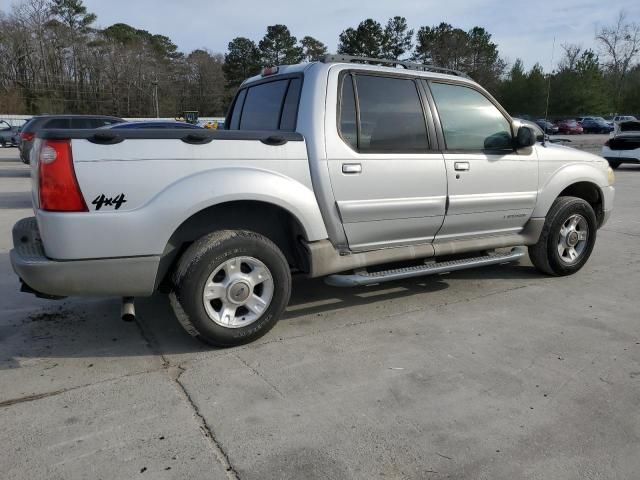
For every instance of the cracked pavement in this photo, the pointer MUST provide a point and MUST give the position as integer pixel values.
(495, 373)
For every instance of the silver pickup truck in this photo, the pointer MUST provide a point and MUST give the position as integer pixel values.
(358, 172)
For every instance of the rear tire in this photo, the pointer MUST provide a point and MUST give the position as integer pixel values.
(230, 287)
(567, 239)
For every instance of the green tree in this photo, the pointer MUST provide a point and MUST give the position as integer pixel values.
(631, 91)
(472, 52)
(484, 64)
(443, 46)
(592, 94)
(312, 49)
(241, 61)
(121, 33)
(73, 14)
(366, 40)
(397, 38)
(580, 87)
(536, 92)
(279, 47)
(513, 93)
(204, 83)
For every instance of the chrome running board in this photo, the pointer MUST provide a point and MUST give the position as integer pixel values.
(362, 277)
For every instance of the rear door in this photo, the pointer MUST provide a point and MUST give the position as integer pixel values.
(492, 188)
(388, 180)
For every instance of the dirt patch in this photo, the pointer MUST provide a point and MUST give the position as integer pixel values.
(60, 314)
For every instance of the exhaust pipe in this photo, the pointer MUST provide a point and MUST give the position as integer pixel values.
(128, 311)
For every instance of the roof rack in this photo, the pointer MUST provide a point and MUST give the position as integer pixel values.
(392, 63)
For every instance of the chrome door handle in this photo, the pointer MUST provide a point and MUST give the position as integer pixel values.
(462, 166)
(351, 168)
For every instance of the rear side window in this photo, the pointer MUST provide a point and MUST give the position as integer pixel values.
(57, 123)
(267, 106)
(82, 123)
(102, 122)
(88, 122)
(28, 127)
(390, 115)
(348, 119)
(469, 120)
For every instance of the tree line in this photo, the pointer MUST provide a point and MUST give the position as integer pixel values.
(55, 59)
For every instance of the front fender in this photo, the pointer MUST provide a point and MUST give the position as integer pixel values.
(565, 176)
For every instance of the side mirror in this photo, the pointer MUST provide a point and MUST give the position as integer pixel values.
(526, 137)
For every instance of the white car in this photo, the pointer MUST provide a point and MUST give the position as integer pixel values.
(624, 118)
(624, 144)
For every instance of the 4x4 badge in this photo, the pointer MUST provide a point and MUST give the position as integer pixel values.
(116, 202)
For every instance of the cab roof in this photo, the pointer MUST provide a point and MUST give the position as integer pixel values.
(368, 64)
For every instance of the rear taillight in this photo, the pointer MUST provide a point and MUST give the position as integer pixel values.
(607, 143)
(27, 136)
(58, 187)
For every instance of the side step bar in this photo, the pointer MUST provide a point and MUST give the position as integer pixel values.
(363, 277)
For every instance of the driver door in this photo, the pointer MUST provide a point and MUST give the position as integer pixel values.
(492, 189)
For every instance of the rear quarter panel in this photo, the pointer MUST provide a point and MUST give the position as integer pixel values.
(164, 182)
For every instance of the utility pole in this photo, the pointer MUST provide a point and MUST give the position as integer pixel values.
(155, 97)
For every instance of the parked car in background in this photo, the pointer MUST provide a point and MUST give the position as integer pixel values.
(547, 126)
(60, 122)
(7, 134)
(152, 125)
(624, 118)
(624, 145)
(595, 125)
(16, 135)
(569, 127)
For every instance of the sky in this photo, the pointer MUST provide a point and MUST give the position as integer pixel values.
(522, 29)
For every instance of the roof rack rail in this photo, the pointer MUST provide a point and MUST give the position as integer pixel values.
(392, 63)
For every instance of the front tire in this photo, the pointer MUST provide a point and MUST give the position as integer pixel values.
(230, 287)
(567, 239)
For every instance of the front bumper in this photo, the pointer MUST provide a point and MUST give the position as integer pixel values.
(608, 194)
(128, 276)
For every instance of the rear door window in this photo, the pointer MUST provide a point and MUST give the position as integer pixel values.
(390, 113)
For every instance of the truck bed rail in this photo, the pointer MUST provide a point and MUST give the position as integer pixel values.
(197, 137)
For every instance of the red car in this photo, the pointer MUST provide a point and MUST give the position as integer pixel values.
(569, 127)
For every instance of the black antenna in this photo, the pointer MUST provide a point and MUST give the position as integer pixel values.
(546, 108)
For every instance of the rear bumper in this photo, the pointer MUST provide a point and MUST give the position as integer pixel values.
(129, 276)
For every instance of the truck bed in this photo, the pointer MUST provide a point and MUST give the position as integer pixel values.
(140, 185)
